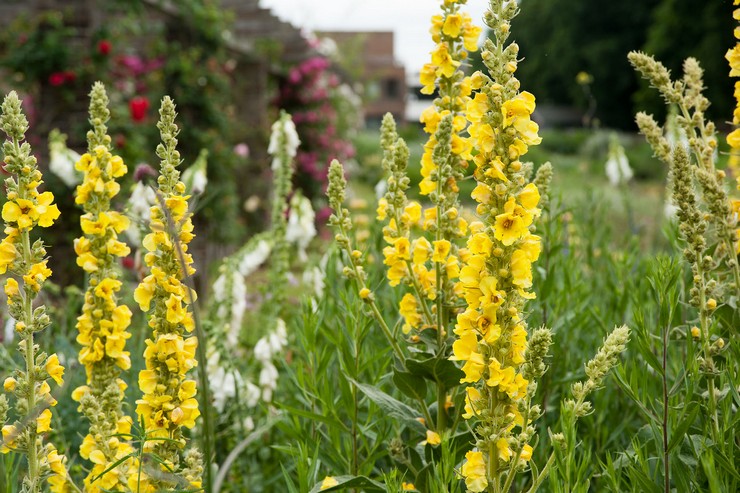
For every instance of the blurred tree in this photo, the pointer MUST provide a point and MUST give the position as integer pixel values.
(558, 39)
(680, 29)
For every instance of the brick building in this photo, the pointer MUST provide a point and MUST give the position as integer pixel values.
(367, 58)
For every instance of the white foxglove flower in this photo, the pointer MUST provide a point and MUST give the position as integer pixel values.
(9, 331)
(314, 278)
(278, 339)
(141, 201)
(617, 166)
(301, 228)
(286, 127)
(263, 351)
(380, 188)
(252, 394)
(195, 177)
(252, 260)
(62, 159)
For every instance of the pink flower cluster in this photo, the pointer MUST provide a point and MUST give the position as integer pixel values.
(309, 94)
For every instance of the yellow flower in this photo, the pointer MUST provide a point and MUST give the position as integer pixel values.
(474, 472)
(464, 346)
(428, 78)
(733, 57)
(433, 438)
(733, 139)
(176, 312)
(402, 248)
(21, 211)
(408, 309)
(37, 274)
(452, 25)
(382, 209)
(473, 368)
(365, 293)
(9, 384)
(695, 332)
(328, 482)
(411, 213)
(11, 288)
(43, 422)
(472, 395)
(54, 369)
(422, 250)
(518, 108)
(521, 269)
(9, 435)
(511, 224)
(529, 197)
(441, 251)
(47, 212)
(504, 452)
(408, 486)
(144, 292)
(526, 452)
(441, 58)
(8, 254)
(470, 37)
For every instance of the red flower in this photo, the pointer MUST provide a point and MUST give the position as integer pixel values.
(128, 262)
(138, 107)
(104, 47)
(69, 76)
(57, 78)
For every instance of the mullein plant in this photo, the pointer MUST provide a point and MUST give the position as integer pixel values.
(686, 94)
(501, 366)
(25, 209)
(423, 261)
(169, 401)
(733, 139)
(103, 324)
(427, 266)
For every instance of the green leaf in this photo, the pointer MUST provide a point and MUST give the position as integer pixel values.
(438, 369)
(411, 385)
(344, 482)
(688, 418)
(394, 407)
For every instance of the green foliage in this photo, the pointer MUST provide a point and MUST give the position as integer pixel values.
(562, 38)
(706, 34)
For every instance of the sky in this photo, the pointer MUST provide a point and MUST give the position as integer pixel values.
(409, 19)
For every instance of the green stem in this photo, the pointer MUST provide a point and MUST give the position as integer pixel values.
(33, 472)
(704, 322)
(360, 284)
(543, 474)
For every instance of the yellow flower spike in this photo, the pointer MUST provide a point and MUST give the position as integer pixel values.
(25, 209)
(102, 326)
(168, 401)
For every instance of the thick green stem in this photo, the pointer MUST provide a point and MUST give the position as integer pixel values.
(33, 467)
